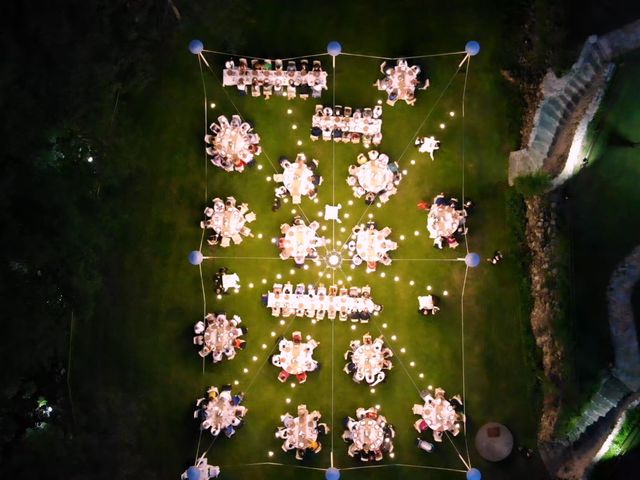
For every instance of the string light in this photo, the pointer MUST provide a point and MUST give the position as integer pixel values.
(293, 385)
(299, 142)
(353, 327)
(264, 346)
(278, 276)
(293, 211)
(412, 364)
(292, 272)
(294, 126)
(250, 285)
(394, 338)
(219, 297)
(254, 358)
(452, 114)
(382, 274)
(373, 390)
(384, 325)
(236, 382)
(260, 235)
(289, 111)
(396, 278)
(288, 400)
(282, 322)
(212, 105)
(268, 179)
(401, 237)
(346, 215)
(403, 350)
(273, 334)
(442, 126)
(412, 283)
(416, 232)
(270, 453)
(412, 162)
(245, 370)
(264, 280)
(421, 375)
(429, 287)
(259, 167)
(350, 202)
(306, 267)
(445, 293)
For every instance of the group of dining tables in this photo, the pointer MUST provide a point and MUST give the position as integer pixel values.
(295, 357)
(298, 178)
(438, 414)
(301, 432)
(232, 144)
(300, 241)
(219, 336)
(374, 177)
(272, 78)
(370, 435)
(220, 411)
(228, 221)
(370, 246)
(400, 82)
(368, 360)
(317, 302)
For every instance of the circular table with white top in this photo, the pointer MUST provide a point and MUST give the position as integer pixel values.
(439, 415)
(297, 179)
(368, 359)
(296, 358)
(228, 222)
(374, 176)
(221, 335)
(370, 245)
(368, 434)
(299, 239)
(443, 221)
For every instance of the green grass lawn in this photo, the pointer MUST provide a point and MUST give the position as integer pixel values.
(140, 341)
(599, 220)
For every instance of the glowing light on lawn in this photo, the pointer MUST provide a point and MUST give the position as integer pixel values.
(412, 364)
(396, 278)
(384, 325)
(349, 278)
(394, 338)
(416, 233)
(306, 267)
(278, 276)
(379, 102)
(373, 390)
(270, 453)
(219, 297)
(430, 387)
(403, 350)
(412, 162)
(289, 111)
(293, 385)
(401, 237)
(429, 287)
(412, 283)
(421, 375)
(353, 327)
(273, 334)
(342, 229)
(445, 293)
(293, 211)
(245, 370)
(288, 400)
(260, 235)
(212, 105)
(442, 126)
(250, 285)
(236, 382)
(294, 126)
(264, 346)
(90, 159)
(370, 215)
(452, 114)
(292, 271)
(382, 274)
(254, 358)
(350, 202)
(259, 167)
(346, 215)
(268, 179)
(404, 172)
(282, 322)
(299, 142)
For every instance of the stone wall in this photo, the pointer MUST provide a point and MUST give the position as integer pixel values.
(566, 101)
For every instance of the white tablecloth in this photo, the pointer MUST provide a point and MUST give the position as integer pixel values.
(368, 434)
(374, 176)
(231, 77)
(297, 179)
(443, 221)
(229, 222)
(368, 359)
(299, 239)
(370, 245)
(365, 126)
(297, 358)
(307, 302)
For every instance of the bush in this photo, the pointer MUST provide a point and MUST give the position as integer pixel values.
(532, 185)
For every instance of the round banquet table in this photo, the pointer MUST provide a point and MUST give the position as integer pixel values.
(294, 358)
(443, 221)
(303, 433)
(230, 141)
(219, 338)
(220, 412)
(374, 176)
(229, 222)
(368, 432)
(369, 245)
(297, 179)
(439, 417)
(368, 359)
(298, 239)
